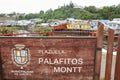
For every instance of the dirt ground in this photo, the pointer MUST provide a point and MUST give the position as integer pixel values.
(103, 64)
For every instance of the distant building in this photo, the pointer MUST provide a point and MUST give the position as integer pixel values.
(116, 19)
(44, 24)
(115, 25)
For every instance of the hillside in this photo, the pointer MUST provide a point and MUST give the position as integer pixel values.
(63, 12)
(71, 11)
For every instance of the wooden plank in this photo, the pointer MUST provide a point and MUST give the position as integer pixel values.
(109, 54)
(117, 66)
(99, 53)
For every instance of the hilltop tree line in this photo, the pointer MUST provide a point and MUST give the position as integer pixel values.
(69, 11)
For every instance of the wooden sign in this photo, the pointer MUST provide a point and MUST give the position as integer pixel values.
(48, 58)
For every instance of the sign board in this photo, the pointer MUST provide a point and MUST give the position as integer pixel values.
(48, 58)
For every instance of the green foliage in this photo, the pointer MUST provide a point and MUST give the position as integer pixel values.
(42, 30)
(91, 9)
(67, 11)
(2, 15)
(6, 30)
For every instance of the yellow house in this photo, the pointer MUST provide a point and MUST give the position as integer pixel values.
(70, 26)
(85, 27)
(79, 25)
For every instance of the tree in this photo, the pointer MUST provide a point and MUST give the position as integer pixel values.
(105, 12)
(91, 9)
(21, 17)
(2, 15)
(41, 12)
(71, 4)
(49, 14)
(12, 14)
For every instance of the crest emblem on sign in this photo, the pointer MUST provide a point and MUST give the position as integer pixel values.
(21, 55)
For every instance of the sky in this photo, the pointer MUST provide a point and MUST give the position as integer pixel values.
(35, 6)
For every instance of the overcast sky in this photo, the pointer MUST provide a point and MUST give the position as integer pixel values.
(34, 6)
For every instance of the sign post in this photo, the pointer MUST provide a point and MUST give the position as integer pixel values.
(69, 58)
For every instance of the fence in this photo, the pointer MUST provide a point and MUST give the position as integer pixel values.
(73, 32)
